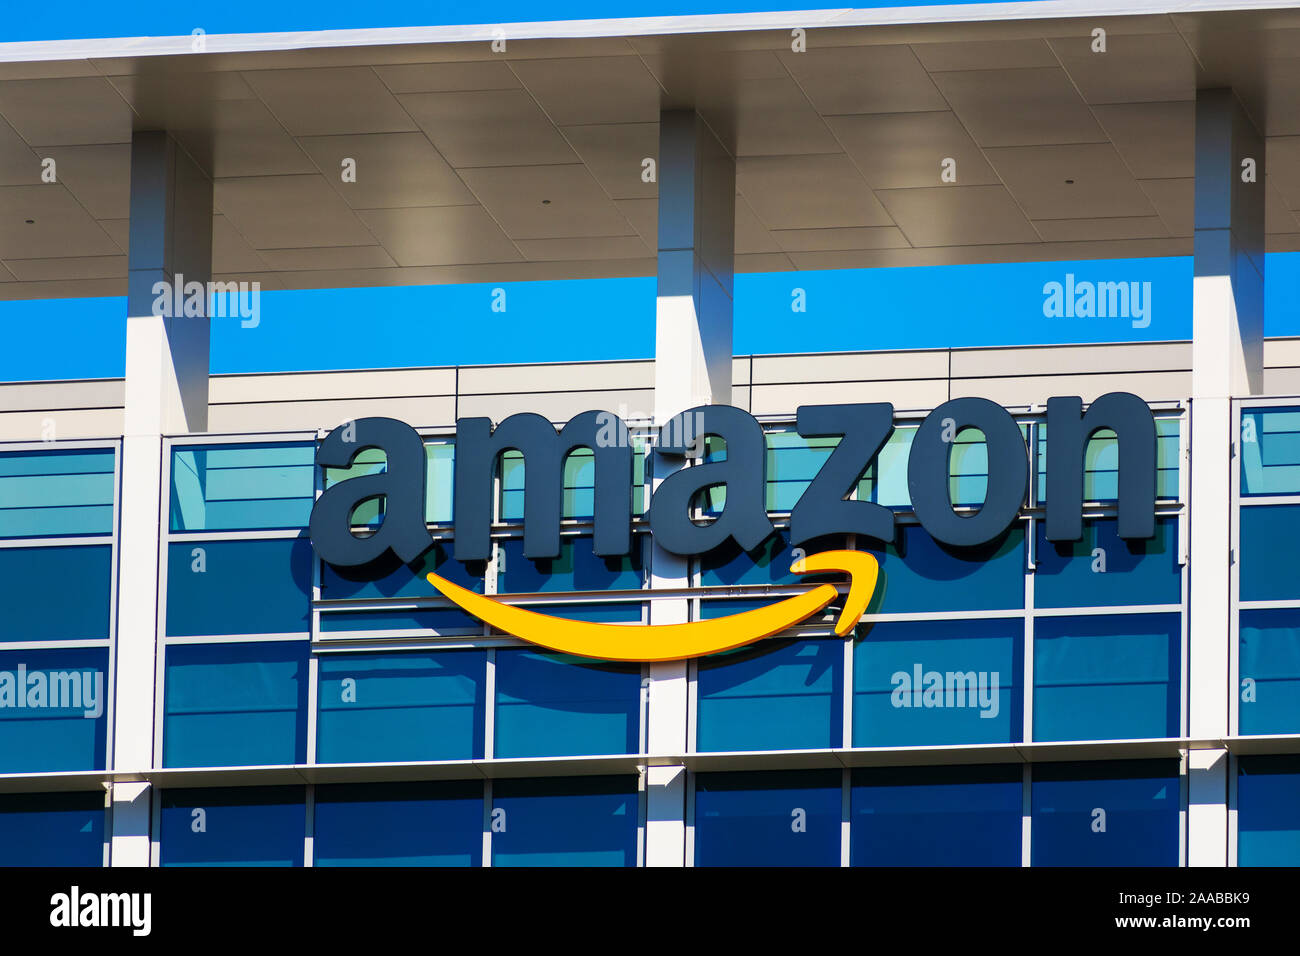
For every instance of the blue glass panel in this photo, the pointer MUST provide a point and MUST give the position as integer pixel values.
(578, 488)
(576, 569)
(435, 619)
(792, 463)
(1268, 811)
(440, 458)
(938, 682)
(404, 824)
(404, 581)
(768, 819)
(769, 563)
(235, 704)
(52, 709)
(936, 816)
(53, 493)
(1101, 463)
(886, 479)
(1106, 677)
(919, 574)
(54, 594)
(249, 826)
(1269, 669)
(242, 487)
(725, 607)
(411, 706)
(1270, 451)
(52, 829)
(772, 695)
(579, 821)
(239, 587)
(1122, 813)
(1268, 534)
(555, 705)
(1072, 574)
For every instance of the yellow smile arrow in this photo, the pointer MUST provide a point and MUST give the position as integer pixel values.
(672, 642)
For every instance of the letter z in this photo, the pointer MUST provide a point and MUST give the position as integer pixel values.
(821, 509)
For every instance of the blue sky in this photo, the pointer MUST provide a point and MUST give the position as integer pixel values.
(914, 307)
(36, 20)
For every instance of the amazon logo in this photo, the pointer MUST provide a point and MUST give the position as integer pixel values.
(860, 430)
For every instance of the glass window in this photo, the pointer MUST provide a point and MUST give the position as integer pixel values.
(1269, 672)
(1101, 463)
(400, 824)
(1270, 451)
(239, 587)
(1104, 569)
(52, 829)
(52, 709)
(440, 459)
(556, 705)
(235, 704)
(242, 487)
(249, 826)
(578, 821)
(409, 706)
(1267, 552)
(1268, 811)
(1120, 813)
(768, 819)
(792, 463)
(936, 816)
(938, 682)
(55, 593)
(577, 568)
(56, 493)
(769, 563)
(886, 479)
(405, 581)
(1106, 677)
(772, 695)
(579, 487)
(438, 620)
(919, 574)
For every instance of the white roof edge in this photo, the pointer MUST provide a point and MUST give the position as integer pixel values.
(50, 50)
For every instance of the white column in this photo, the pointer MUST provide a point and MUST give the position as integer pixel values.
(166, 394)
(697, 198)
(1227, 362)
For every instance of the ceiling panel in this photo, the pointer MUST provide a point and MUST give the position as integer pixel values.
(614, 153)
(71, 267)
(565, 250)
(392, 169)
(1087, 181)
(808, 192)
(65, 111)
(643, 214)
(827, 240)
(1173, 200)
(448, 77)
(98, 176)
(1156, 140)
(1019, 107)
(1282, 165)
(1091, 230)
(863, 79)
(488, 128)
(316, 102)
(330, 257)
(58, 226)
(898, 150)
(957, 215)
(751, 236)
(767, 117)
(289, 212)
(1148, 67)
(547, 202)
(19, 164)
(985, 55)
(231, 252)
(242, 138)
(602, 89)
(440, 235)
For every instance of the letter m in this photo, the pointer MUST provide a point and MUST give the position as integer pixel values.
(1112, 299)
(1068, 432)
(478, 451)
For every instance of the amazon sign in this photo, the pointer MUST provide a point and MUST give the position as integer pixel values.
(861, 429)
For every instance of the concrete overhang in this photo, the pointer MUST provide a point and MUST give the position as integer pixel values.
(475, 165)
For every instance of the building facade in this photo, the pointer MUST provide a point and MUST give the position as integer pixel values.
(184, 681)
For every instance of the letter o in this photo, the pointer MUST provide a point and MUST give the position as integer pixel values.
(927, 473)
